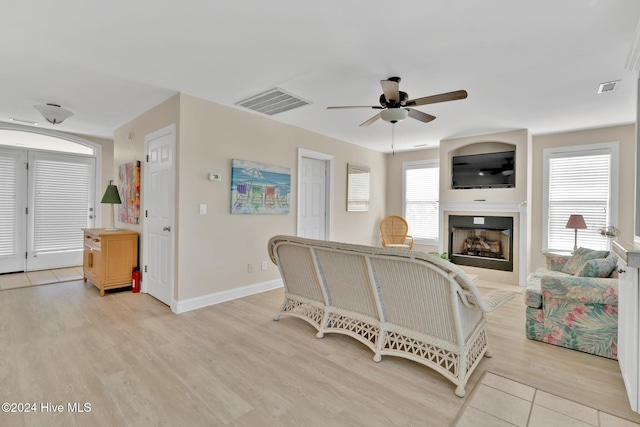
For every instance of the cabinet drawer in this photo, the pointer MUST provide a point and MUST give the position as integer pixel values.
(92, 242)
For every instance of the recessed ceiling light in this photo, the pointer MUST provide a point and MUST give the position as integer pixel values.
(421, 145)
(11, 119)
(607, 86)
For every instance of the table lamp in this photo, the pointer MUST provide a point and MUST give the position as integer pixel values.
(112, 197)
(577, 223)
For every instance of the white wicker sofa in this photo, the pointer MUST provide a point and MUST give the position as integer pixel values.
(397, 302)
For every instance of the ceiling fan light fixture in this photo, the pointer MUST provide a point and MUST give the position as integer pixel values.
(54, 113)
(394, 115)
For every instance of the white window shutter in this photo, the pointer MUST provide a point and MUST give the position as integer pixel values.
(8, 206)
(579, 183)
(61, 204)
(421, 194)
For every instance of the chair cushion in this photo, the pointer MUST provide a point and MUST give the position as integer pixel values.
(533, 296)
(580, 256)
(602, 267)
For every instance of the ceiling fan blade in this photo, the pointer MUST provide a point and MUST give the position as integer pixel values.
(391, 90)
(433, 99)
(375, 107)
(371, 120)
(419, 115)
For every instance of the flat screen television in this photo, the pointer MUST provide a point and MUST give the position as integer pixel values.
(491, 170)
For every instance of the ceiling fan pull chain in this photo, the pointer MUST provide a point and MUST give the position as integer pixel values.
(393, 138)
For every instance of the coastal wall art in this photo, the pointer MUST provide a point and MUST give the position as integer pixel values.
(258, 188)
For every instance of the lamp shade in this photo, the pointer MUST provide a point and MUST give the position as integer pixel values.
(111, 195)
(54, 113)
(576, 222)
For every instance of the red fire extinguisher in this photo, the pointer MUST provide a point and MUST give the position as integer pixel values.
(135, 280)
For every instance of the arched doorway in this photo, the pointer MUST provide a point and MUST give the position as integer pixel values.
(48, 190)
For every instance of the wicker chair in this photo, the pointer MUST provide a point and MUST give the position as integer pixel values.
(397, 302)
(393, 231)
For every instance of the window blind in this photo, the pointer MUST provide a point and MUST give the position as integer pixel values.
(8, 206)
(61, 203)
(421, 193)
(358, 194)
(579, 183)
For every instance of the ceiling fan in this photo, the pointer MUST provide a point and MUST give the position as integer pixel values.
(395, 104)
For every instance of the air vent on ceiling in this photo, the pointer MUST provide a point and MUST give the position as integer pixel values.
(272, 102)
(607, 86)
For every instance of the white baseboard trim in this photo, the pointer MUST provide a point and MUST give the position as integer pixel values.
(218, 297)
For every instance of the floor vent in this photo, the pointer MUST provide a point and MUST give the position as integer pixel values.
(273, 102)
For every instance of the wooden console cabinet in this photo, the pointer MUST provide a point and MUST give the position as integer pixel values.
(109, 257)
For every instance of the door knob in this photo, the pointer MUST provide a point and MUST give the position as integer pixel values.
(166, 228)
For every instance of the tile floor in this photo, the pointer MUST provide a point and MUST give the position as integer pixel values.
(43, 277)
(497, 401)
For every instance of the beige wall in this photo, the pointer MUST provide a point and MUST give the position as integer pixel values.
(394, 182)
(213, 250)
(625, 135)
(483, 143)
(107, 174)
(129, 147)
(533, 160)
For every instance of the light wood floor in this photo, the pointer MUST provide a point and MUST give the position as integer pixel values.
(138, 364)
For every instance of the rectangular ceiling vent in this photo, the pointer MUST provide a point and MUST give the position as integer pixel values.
(607, 86)
(272, 102)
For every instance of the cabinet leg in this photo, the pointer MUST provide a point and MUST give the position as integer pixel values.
(101, 292)
(84, 278)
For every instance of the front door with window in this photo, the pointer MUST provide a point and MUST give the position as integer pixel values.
(45, 201)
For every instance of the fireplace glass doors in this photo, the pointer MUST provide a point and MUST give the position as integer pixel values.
(481, 241)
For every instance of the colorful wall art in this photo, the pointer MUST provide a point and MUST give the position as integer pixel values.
(257, 188)
(129, 187)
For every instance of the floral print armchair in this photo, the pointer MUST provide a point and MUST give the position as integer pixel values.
(574, 311)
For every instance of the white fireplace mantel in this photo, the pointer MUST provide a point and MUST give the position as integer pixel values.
(484, 207)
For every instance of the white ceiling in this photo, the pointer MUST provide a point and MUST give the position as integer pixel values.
(525, 64)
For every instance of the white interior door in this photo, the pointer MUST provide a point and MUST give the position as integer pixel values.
(312, 196)
(159, 190)
(13, 205)
(61, 197)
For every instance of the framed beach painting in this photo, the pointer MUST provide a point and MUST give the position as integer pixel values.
(258, 188)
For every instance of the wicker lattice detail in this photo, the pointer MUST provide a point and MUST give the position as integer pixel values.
(366, 331)
(476, 349)
(302, 309)
(446, 359)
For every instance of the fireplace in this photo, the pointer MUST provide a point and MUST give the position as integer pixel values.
(481, 241)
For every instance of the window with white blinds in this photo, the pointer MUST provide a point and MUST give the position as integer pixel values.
(579, 182)
(358, 188)
(61, 203)
(421, 186)
(8, 206)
